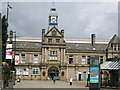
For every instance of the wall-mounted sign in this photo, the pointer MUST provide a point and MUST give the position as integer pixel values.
(17, 59)
(9, 51)
(94, 74)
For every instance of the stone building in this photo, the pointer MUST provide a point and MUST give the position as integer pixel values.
(54, 55)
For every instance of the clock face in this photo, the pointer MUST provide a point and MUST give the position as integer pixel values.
(53, 20)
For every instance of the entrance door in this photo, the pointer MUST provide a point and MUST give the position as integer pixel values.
(84, 76)
(79, 77)
(53, 71)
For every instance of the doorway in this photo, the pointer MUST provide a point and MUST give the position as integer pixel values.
(84, 76)
(79, 77)
(53, 71)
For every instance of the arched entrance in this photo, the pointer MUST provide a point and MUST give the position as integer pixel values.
(53, 71)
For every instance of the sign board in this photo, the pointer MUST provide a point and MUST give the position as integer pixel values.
(9, 51)
(94, 74)
(17, 59)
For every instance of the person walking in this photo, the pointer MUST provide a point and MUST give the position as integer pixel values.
(54, 79)
(19, 78)
(71, 80)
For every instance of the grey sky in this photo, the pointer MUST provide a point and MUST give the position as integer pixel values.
(78, 19)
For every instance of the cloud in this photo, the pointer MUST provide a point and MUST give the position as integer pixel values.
(77, 19)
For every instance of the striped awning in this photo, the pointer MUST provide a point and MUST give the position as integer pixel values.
(110, 65)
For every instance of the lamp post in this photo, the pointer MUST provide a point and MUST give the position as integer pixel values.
(13, 62)
(8, 7)
(3, 68)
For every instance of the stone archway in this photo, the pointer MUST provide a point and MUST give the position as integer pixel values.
(53, 71)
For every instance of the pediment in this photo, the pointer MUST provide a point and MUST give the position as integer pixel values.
(54, 32)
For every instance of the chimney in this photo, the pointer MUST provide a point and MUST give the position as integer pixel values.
(93, 41)
(43, 34)
(11, 36)
(62, 33)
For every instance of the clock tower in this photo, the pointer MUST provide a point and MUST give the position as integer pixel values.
(53, 17)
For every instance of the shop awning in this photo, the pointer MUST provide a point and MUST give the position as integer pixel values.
(110, 65)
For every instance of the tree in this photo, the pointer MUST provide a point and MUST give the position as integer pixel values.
(6, 70)
(4, 37)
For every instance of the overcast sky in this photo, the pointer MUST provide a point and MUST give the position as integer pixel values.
(78, 19)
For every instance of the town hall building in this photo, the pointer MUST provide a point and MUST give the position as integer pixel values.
(54, 55)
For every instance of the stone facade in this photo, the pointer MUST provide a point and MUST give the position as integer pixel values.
(55, 56)
(40, 60)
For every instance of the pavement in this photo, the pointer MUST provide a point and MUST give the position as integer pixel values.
(49, 84)
(60, 85)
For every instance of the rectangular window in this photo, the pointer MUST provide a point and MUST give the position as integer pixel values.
(35, 71)
(49, 40)
(57, 40)
(88, 60)
(22, 58)
(83, 61)
(70, 59)
(53, 55)
(101, 59)
(35, 58)
(115, 47)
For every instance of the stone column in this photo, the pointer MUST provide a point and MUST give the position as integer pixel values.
(30, 72)
(45, 55)
(64, 55)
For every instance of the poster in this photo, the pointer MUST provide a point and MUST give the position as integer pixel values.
(94, 74)
(9, 51)
(17, 59)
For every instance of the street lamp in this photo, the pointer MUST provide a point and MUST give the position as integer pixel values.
(13, 62)
(8, 7)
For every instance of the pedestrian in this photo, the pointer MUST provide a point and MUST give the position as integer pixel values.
(19, 78)
(54, 79)
(68, 79)
(48, 78)
(71, 80)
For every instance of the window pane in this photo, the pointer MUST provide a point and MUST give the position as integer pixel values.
(49, 40)
(57, 40)
(83, 60)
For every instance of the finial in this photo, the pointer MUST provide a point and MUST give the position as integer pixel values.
(53, 6)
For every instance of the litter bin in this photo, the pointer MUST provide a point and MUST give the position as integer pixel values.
(10, 84)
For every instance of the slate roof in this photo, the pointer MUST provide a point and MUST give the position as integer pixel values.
(115, 40)
(70, 47)
(77, 47)
(27, 45)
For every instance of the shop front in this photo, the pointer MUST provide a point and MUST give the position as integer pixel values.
(110, 73)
